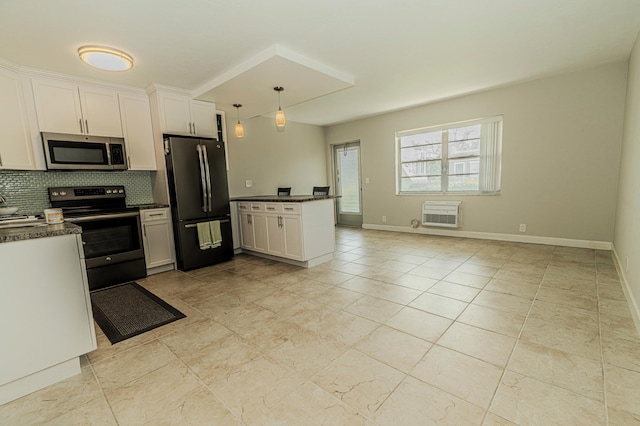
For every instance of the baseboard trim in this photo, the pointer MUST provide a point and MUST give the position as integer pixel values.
(303, 264)
(634, 308)
(532, 239)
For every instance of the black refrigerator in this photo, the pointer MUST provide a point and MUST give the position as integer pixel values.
(198, 191)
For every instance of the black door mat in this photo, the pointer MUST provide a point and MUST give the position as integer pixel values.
(126, 310)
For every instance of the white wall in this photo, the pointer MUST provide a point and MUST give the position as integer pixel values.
(561, 149)
(270, 158)
(627, 230)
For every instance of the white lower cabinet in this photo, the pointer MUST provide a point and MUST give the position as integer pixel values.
(302, 232)
(46, 322)
(157, 236)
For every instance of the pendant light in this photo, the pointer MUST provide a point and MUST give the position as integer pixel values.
(280, 118)
(239, 126)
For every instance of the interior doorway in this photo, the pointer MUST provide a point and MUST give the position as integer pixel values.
(348, 183)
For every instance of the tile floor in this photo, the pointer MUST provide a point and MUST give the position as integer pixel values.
(399, 329)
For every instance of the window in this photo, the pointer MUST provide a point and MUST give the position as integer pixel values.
(458, 157)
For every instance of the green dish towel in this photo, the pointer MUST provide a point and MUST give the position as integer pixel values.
(204, 235)
(209, 235)
(216, 235)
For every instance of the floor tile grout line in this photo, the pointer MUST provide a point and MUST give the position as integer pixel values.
(604, 373)
(504, 371)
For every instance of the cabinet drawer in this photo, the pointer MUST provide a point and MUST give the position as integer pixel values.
(244, 207)
(273, 207)
(154, 214)
(257, 207)
(291, 208)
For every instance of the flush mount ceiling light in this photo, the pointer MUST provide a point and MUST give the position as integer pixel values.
(105, 58)
(281, 120)
(239, 126)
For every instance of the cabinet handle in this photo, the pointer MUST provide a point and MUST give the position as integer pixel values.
(81, 128)
(156, 214)
(144, 229)
(249, 219)
(194, 129)
(289, 208)
(86, 125)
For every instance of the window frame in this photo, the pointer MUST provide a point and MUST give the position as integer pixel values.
(445, 159)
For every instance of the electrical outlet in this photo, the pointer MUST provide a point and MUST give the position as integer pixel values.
(248, 183)
(523, 227)
(384, 219)
(367, 180)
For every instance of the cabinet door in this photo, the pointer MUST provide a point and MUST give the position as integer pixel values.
(58, 107)
(260, 232)
(175, 117)
(15, 144)
(138, 133)
(293, 247)
(203, 117)
(247, 239)
(157, 243)
(275, 241)
(100, 111)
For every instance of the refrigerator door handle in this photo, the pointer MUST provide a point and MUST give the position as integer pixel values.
(202, 179)
(207, 175)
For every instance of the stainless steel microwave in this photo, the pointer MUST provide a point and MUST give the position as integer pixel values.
(78, 152)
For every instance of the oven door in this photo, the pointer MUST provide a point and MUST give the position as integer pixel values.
(113, 248)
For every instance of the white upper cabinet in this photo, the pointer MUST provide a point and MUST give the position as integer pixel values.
(82, 110)
(203, 116)
(15, 142)
(181, 115)
(135, 114)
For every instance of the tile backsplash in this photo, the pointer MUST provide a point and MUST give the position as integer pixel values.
(27, 190)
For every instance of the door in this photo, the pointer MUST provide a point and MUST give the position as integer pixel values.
(292, 229)
(275, 240)
(58, 107)
(186, 175)
(174, 114)
(101, 111)
(247, 240)
(260, 232)
(203, 117)
(219, 189)
(15, 139)
(348, 184)
(138, 131)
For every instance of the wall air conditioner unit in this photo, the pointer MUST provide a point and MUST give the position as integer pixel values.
(441, 213)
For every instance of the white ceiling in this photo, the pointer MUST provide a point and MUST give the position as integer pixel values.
(397, 53)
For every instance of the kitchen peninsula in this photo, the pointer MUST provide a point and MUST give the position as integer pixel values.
(297, 229)
(45, 322)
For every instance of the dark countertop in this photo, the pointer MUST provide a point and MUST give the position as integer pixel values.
(284, 198)
(149, 206)
(42, 230)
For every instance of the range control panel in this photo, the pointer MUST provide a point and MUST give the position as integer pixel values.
(67, 193)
